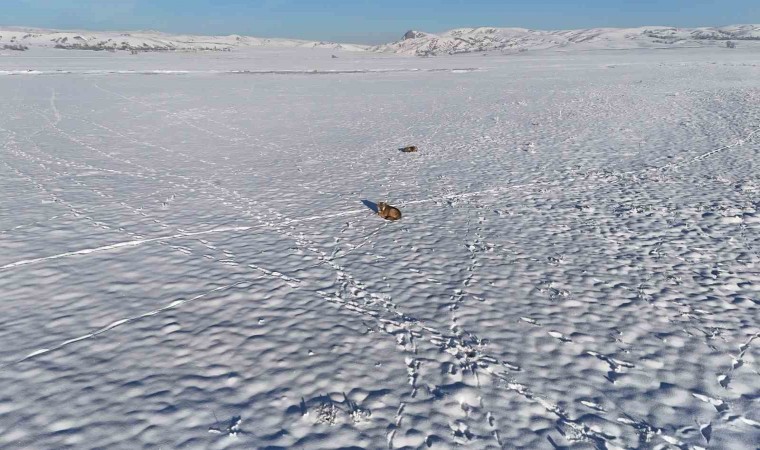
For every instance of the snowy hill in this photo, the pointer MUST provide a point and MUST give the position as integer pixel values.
(468, 40)
(461, 40)
(20, 38)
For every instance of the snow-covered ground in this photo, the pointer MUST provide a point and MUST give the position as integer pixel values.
(186, 260)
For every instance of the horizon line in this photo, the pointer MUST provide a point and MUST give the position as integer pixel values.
(106, 30)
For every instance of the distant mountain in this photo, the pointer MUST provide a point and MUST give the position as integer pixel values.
(461, 40)
(469, 40)
(14, 38)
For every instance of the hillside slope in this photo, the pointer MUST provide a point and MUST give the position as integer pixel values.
(20, 38)
(469, 40)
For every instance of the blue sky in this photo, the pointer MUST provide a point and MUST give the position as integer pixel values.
(366, 21)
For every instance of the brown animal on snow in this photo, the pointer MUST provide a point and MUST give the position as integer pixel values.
(388, 212)
(410, 149)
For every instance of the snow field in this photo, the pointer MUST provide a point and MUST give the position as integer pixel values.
(187, 263)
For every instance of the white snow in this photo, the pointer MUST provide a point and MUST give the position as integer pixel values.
(149, 41)
(461, 40)
(510, 40)
(186, 260)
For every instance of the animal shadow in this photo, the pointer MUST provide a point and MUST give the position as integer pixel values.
(371, 205)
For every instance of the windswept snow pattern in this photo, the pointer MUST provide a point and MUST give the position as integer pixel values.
(188, 261)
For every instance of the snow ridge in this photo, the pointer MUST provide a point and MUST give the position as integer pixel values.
(483, 39)
(413, 42)
(16, 38)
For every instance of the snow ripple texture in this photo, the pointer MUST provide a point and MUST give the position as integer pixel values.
(186, 261)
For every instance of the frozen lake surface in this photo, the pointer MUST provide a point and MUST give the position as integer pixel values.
(186, 260)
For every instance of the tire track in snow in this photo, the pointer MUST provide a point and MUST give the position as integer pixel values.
(266, 273)
(183, 250)
(118, 323)
(346, 213)
(167, 113)
(101, 224)
(54, 108)
(737, 143)
(148, 144)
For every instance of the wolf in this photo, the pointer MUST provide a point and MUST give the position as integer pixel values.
(388, 212)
